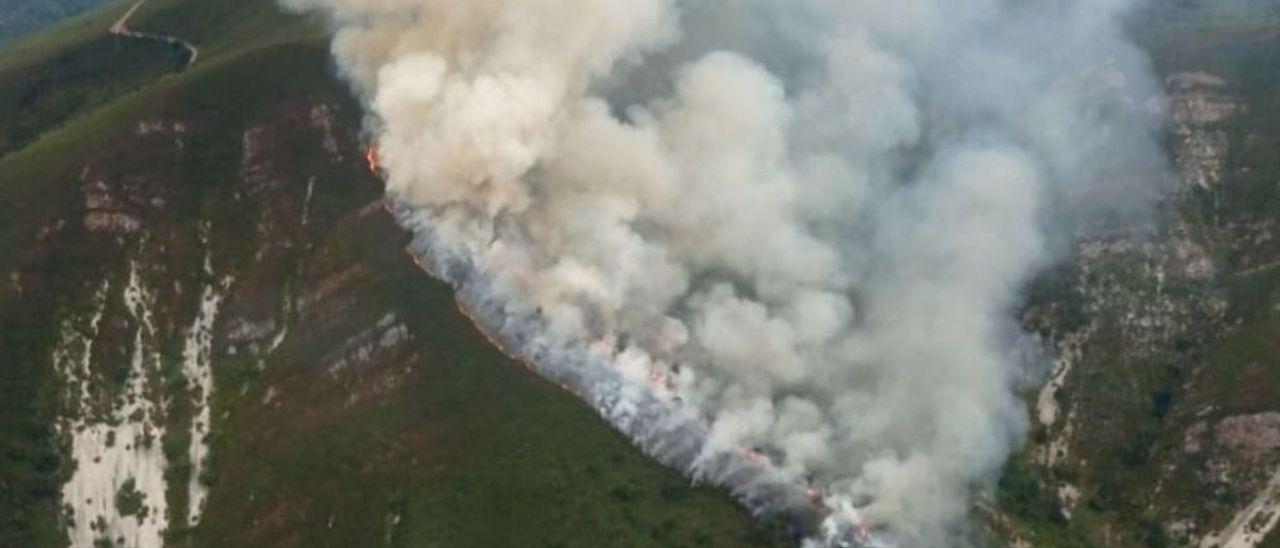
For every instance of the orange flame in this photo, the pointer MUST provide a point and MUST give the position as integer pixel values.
(657, 377)
(424, 265)
(371, 157)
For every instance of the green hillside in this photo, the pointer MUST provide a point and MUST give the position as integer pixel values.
(122, 169)
(352, 404)
(1172, 376)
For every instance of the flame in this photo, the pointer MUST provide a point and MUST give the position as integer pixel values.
(657, 377)
(599, 345)
(864, 532)
(424, 265)
(371, 158)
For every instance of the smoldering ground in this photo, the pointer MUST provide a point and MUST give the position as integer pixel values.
(778, 243)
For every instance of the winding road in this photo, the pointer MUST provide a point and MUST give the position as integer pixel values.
(121, 28)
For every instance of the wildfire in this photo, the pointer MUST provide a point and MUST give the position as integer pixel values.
(371, 158)
(754, 455)
(864, 532)
(494, 340)
(600, 345)
(657, 377)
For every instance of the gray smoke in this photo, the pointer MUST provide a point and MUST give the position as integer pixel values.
(778, 242)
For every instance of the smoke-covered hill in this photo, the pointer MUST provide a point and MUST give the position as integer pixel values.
(212, 332)
(1160, 425)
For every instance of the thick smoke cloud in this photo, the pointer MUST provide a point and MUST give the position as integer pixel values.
(780, 243)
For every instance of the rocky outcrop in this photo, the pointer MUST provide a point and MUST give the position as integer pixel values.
(173, 305)
(1200, 103)
(1150, 421)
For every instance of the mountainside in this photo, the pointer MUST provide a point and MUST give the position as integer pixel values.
(211, 333)
(1160, 425)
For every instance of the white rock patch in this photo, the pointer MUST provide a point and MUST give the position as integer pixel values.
(1252, 524)
(119, 446)
(198, 369)
(306, 201)
(1068, 353)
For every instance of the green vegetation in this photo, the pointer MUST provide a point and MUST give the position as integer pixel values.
(469, 450)
(466, 449)
(130, 500)
(228, 27)
(39, 97)
(59, 100)
(1135, 401)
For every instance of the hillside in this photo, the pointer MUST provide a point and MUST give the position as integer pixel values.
(211, 333)
(1160, 425)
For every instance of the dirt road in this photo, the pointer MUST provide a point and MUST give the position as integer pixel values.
(121, 28)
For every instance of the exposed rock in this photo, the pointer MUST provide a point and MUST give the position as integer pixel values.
(1190, 80)
(363, 347)
(197, 367)
(257, 163)
(326, 288)
(321, 117)
(1193, 439)
(114, 223)
(1250, 436)
(1069, 496)
(121, 443)
(242, 330)
(1249, 527)
(1198, 103)
(13, 283)
(160, 127)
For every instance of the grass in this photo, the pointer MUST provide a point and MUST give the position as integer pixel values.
(43, 96)
(52, 77)
(469, 450)
(472, 451)
(228, 27)
(37, 186)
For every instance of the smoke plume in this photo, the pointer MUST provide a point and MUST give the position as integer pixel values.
(780, 243)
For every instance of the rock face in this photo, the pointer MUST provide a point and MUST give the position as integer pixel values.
(1199, 105)
(175, 300)
(1157, 426)
(136, 366)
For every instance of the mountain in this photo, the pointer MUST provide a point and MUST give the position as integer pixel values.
(211, 333)
(1160, 424)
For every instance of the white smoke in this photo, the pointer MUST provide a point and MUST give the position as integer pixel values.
(778, 242)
